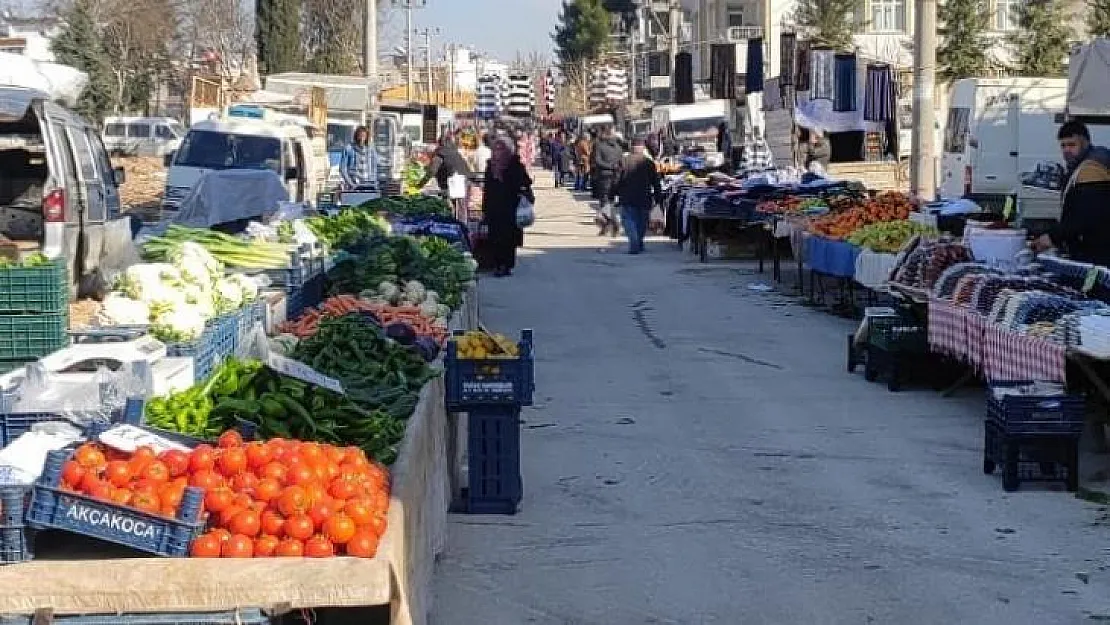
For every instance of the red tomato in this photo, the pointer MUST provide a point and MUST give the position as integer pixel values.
(246, 523)
(90, 456)
(290, 548)
(245, 483)
(171, 495)
(339, 529)
(203, 458)
(140, 459)
(147, 502)
(293, 499)
(222, 534)
(364, 544)
(238, 546)
(206, 546)
(318, 547)
(321, 511)
(176, 461)
(265, 546)
(73, 473)
(267, 489)
(272, 523)
(299, 526)
(218, 499)
(275, 471)
(230, 438)
(360, 510)
(118, 473)
(206, 479)
(232, 461)
(300, 475)
(258, 455)
(343, 489)
(156, 471)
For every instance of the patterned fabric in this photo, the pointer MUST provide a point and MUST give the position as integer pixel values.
(947, 329)
(757, 158)
(1009, 356)
(878, 96)
(359, 168)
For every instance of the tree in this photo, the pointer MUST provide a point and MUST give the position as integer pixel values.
(963, 53)
(830, 22)
(79, 45)
(1043, 40)
(278, 36)
(582, 32)
(332, 38)
(136, 35)
(1098, 18)
(224, 29)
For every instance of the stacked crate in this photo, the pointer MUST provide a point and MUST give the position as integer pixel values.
(34, 312)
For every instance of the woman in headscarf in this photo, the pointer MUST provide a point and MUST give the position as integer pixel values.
(506, 182)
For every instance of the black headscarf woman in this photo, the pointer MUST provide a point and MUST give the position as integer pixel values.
(506, 182)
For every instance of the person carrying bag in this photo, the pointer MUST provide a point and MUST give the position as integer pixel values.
(508, 206)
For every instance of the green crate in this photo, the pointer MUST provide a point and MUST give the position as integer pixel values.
(898, 334)
(32, 336)
(42, 289)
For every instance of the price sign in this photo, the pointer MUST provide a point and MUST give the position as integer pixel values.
(299, 370)
(128, 438)
(1090, 280)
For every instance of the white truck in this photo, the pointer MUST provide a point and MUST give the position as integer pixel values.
(694, 126)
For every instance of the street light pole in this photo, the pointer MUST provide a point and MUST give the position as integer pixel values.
(408, 6)
(922, 153)
(370, 40)
(427, 33)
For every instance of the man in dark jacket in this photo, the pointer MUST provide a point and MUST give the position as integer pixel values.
(605, 164)
(638, 189)
(1084, 228)
(446, 162)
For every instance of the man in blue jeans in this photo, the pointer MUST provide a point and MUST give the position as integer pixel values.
(638, 190)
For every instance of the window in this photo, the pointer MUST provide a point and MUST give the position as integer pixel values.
(100, 155)
(216, 150)
(956, 130)
(735, 17)
(1006, 14)
(138, 131)
(888, 16)
(115, 130)
(86, 162)
(339, 136)
(163, 131)
(659, 24)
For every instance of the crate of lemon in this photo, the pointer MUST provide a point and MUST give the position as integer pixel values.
(487, 369)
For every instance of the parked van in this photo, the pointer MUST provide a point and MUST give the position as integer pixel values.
(997, 128)
(142, 136)
(59, 194)
(239, 143)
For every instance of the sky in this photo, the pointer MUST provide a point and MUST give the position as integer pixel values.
(500, 28)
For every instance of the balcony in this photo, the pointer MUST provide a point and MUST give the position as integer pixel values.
(743, 33)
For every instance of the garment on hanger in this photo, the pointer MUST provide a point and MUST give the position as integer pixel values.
(788, 44)
(844, 95)
(824, 81)
(772, 94)
(878, 96)
(684, 78)
(722, 71)
(753, 77)
(802, 67)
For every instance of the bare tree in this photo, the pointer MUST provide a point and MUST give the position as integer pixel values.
(219, 31)
(573, 94)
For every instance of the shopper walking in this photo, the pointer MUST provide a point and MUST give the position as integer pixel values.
(582, 163)
(357, 167)
(638, 190)
(558, 158)
(506, 182)
(605, 166)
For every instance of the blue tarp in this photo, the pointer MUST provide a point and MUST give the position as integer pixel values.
(833, 258)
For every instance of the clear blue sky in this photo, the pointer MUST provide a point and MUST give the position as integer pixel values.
(498, 27)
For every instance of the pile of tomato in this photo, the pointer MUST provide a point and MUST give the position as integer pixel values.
(278, 498)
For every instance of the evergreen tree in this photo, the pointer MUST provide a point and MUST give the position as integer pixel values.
(80, 45)
(278, 36)
(1043, 40)
(582, 32)
(830, 22)
(963, 53)
(1098, 18)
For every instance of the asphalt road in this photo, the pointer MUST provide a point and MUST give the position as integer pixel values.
(698, 454)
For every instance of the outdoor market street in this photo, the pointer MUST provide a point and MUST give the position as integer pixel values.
(698, 454)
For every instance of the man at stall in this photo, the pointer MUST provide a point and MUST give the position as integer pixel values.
(356, 166)
(1084, 227)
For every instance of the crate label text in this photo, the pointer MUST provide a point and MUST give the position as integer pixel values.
(113, 521)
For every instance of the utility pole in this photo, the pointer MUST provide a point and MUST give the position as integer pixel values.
(408, 6)
(370, 40)
(427, 33)
(675, 18)
(922, 155)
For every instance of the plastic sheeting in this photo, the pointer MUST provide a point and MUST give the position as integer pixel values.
(231, 195)
(61, 82)
(1088, 89)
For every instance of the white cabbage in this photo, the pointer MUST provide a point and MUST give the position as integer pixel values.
(197, 265)
(120, 310)
(181, 324)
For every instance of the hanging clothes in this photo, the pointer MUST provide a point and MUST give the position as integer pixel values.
(824, 80)
(753, 78)
(722, 71)
(684, 78)
(802, 67)
(844, 70)
(878, 95)
(772, 94)
(788, 44)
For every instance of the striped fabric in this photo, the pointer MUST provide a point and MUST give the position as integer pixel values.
(879, 96)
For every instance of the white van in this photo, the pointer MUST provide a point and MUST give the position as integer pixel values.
(240, 143)
(142, 136)
(996, 129)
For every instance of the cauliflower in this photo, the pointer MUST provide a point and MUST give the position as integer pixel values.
(248, 287)
(144, 279)
(181, 324)
(228, 296)
(120, 310)
(203, 299)
(388, 290)
(431, 296)
(197, 265)
(414, 291)
(429, 309)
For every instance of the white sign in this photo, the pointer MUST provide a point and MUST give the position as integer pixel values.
(128, 438)
(659, 82)
(303, 372)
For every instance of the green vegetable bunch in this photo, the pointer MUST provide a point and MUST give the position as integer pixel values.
(347, 228)
(411, 206)
(229, 250)
(434, 262)
(33, 260)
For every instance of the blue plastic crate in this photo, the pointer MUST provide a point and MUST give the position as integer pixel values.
(15, 538)
(494, 484)
(235, 617)
(216, 343)
(1030, 415)
(53, 508)
(492, 382)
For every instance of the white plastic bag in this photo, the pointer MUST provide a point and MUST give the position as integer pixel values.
(456, 187)
(525, 213)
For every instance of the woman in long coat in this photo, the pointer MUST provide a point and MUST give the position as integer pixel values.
(506, 182)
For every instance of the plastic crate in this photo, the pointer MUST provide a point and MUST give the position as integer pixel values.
(216, 343)
(1060, 415)
(15, 539)
(897, 334)
(1030, 458)
(234, 617)
(53, 508)
(491, 382)
(494, 484)
(31, 336)
(43, 289)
